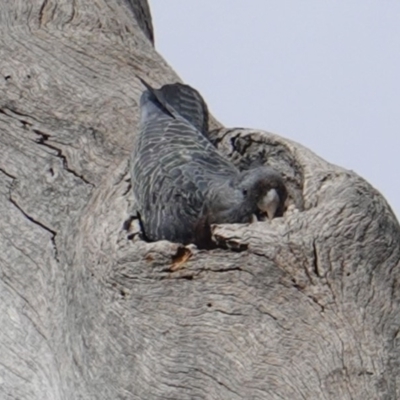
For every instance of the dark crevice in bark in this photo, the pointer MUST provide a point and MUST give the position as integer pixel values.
(233, 314)
(24, 123)
(312, 298)
(128, 222)
(43, 137)
(188, 277)
(177, 271)
(142, 233)
(229, 244)
(232, 141)
(41, 11)
(127, 190)
(12, 111)
(216, 140)
(218, 381)
(220, 270)
(271, 316)
(242, 149)
(127, 225)
(7, 174)
(322, 307)
(179, 275)
(51, 231)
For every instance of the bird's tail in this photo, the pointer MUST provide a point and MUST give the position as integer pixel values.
(188, 103)
(179, 99)
(154, 99)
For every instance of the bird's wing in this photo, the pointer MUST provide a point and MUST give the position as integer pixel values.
(173, 165)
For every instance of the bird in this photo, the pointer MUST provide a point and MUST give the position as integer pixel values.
(181, 183)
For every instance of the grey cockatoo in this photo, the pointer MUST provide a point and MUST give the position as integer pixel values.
(181, 183)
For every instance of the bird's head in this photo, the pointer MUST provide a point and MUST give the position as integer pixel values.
(263, 188)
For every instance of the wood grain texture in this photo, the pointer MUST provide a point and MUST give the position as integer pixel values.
(304, 307)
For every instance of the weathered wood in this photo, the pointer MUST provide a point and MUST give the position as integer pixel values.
(304, 307)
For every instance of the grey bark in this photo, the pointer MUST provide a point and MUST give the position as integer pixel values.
(305, 307)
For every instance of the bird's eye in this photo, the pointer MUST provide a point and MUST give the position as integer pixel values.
(244, 191)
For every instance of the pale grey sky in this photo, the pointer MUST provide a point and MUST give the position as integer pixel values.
(323, 73)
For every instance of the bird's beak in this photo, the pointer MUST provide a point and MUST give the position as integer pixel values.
(269, 203)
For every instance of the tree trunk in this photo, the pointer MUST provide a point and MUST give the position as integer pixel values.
(304, 307)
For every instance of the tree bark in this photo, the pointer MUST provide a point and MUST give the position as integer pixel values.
(304, 307)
